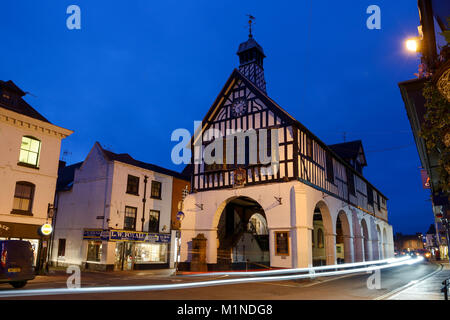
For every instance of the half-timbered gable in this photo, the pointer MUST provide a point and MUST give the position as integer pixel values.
(258, 112)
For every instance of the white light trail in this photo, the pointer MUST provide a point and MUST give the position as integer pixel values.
(41, 292)
(298, 270)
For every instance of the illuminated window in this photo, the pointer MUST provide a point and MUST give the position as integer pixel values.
(29, 151)
(156, 190)
(23, 197)
(130, 218)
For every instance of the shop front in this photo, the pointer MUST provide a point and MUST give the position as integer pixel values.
(27, 232)
(132, 250)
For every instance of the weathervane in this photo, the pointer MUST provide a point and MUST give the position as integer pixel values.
(250, 21)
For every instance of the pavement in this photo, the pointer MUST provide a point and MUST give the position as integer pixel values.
(427, 288)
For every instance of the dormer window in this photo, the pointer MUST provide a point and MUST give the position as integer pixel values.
(29, 151)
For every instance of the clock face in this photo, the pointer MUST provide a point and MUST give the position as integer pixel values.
(239, 107)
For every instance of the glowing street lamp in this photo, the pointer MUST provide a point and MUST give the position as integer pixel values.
(413, 44)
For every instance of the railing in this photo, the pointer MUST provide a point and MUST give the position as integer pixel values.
(444, 289)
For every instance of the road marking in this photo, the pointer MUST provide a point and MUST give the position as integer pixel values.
(410, 284)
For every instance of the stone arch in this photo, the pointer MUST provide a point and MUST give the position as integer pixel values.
(366, 239)
(239, 240)
(343, 238)
(322, 220)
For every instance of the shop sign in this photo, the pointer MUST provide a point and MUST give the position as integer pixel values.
(95, 234)
(124, 235)
(120, 235)
(46, 229)
(158, 238)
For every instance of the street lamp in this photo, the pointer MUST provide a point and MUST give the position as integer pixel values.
(413, 44)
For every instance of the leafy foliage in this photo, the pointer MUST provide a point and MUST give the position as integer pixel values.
(436, 131)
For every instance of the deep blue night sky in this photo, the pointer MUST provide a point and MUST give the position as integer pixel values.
(137, 70)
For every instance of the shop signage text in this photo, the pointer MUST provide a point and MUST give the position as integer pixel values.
(124, 235)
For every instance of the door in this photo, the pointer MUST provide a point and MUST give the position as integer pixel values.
(124, 256)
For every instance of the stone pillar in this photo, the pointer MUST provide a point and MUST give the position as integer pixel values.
(349, 256)
(301, 247)
(330, 248)
(358, 246)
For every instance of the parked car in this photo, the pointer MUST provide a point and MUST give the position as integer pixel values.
(16, 262)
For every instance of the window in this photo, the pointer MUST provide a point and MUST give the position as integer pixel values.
(312, 238)
(378, 202)
(94, 252)
(153, 222)
(23, 197)
(130, 218)
(156, 190)
(350, 182)
(61, 247)
(369, 195)
(309, 147)
(29, 151)
(330, 169)
(151, 252)
(133, 185)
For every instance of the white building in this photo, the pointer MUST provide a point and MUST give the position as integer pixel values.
(115, 213)
(29, 154)
(315, 202)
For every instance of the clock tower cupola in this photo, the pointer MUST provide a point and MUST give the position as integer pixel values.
(251, 56)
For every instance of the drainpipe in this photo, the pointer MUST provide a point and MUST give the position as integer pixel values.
(143, 202)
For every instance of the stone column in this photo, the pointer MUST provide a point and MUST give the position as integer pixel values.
(358, 246)
(301, 247)
(330, 248)
(349, 256)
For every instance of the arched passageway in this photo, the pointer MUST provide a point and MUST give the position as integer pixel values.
(323, 238)
(343, 239)
(380, 243)
(385, 255)
(365, 235)
(243, 237)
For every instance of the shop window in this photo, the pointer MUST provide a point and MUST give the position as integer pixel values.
(133, 185)
(94, 252)
(312, 238)
(151, 252)
(23, 197)
(29, 151)
(61, 247)
(130, 218)
(153, 222)
(156, 190)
